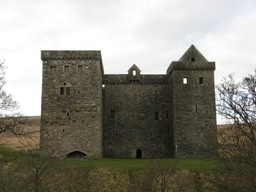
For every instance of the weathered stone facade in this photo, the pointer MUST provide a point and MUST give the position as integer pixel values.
(88, 113)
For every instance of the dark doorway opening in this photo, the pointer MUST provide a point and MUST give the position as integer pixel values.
(76, 155)
(138, 154)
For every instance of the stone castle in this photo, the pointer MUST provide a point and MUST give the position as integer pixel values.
(89, 114)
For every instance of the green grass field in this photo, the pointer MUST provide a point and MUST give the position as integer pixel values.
(194, 165)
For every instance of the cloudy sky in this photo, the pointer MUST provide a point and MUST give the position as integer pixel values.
(148, 33)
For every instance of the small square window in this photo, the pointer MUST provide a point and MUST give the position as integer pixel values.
(185, 80)
(201, 80)
(193, 59)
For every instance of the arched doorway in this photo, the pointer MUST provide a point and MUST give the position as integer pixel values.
(76, 155)
(138, 154)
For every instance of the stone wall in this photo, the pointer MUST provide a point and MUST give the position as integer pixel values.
(71, 117)
(136, 116)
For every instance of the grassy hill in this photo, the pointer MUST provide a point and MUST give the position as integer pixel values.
(11, 141)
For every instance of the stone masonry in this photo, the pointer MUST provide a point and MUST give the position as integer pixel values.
(89, 114)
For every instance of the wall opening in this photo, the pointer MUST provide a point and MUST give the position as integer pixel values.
(76, 155)
(201, 80)
(80, 68)
(64, 90)
(185, 80)
(66, 68)
(193, 59)
(138, 154)
(112, 114)
(156, 116)
(134, 72)
(52, 70)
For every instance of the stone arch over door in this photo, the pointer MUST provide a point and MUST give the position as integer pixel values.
(76, 155)
(138, 154)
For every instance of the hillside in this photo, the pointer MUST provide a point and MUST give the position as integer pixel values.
(12, 141)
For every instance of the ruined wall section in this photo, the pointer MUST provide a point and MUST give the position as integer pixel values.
(193, 105)
(136, 116)
(71, 117)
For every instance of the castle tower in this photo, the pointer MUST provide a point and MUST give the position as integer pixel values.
(71, 116)
(193, 105)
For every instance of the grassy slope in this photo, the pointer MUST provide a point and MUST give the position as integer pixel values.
(194, 165)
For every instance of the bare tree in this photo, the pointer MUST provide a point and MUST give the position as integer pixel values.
(38, 174)
(236, 101)
(11, 120)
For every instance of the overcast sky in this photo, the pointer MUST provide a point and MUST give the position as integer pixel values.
(148, 33)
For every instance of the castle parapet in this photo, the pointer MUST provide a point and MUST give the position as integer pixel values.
(70, 55)
(191, 66)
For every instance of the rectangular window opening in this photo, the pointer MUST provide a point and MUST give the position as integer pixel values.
(67, 90)
(167, 114)
(66, 68)
(185, 80)
(201, 80)
(157, 116)
(168, 129)
(80, 68)
(112, 114)
(134, 72)
(62, 91)
(52, 70)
